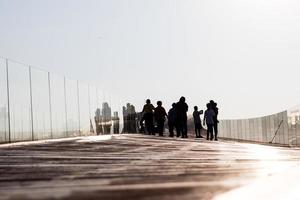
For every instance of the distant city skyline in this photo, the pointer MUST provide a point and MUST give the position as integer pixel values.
(242, 54)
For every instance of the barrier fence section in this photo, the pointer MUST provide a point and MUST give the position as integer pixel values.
(36, 104)
(281, 128)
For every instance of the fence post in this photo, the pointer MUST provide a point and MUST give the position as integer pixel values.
(78, 107)
(66, 113)
(90, 115)
(31, 105)
(50, 105)
(8, 101)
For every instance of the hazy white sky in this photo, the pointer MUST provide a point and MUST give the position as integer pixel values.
(242, 53)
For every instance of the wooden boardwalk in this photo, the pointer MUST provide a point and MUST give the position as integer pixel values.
(136, 167)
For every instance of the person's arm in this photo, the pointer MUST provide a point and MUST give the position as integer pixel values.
(204, 119)
(165, 113)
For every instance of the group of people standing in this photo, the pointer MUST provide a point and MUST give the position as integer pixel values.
(177, 119)
(210, 120)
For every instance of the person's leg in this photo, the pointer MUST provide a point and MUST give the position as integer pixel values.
(151, 124)
(185, 128)
(207, 132)
(171, 129)
(216, 131)
(148, 124)
(177, 126)
(211, 131)
(160, 126)
(182, 129)
(197, 130)
(201, 129)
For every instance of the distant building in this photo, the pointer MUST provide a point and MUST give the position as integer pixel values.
(106, 112)
(107, 119)
(116, 123)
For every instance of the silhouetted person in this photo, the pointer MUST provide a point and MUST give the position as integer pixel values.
(116, 123)
(148, 116)
(182, 108)
(172, 119)
(160, 118)
(132, 119)
(209, 121)
(216, 121)
(197, 122)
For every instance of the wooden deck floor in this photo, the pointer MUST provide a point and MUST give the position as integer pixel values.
(135, 167)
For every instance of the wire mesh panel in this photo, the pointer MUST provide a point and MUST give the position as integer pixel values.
(116, 110)
(276, 128)
(251, 129)
(244, 128)
(93, 108)
(239, 129)
(73, 125)
(285, 127)
(106, 113)
(260, 132)
(264, 129)
(58, 109)
(236, 129)
(84, 109)
(292, 120)
(20, 102)
(280, 116)
(268, 128)
(247, 130)
(222, 129)
(257, 129)
(229, 133)
(232, 129)
(41, 104)
(225, 129)
(4, 126)
(297, 128)
(272, 127)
